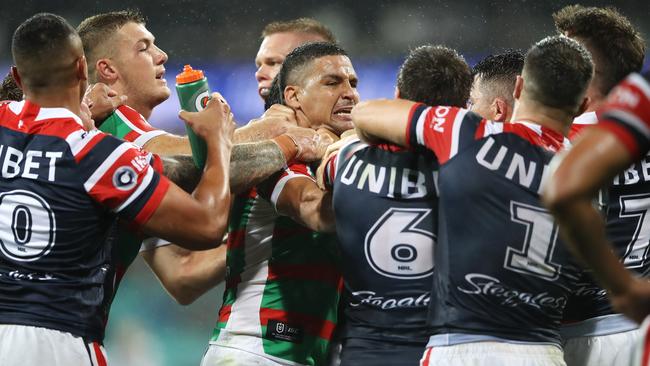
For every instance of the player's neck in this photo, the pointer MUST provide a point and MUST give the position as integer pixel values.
(553, 118)
(47, 98)
(144, 109)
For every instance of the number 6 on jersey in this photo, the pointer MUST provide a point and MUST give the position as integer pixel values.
(396, 248)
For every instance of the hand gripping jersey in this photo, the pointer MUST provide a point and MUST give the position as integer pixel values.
(282, 281)
(60, 189)
(386, 208)
(501, 272)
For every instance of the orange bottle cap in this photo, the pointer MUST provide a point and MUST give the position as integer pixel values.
(189, 75)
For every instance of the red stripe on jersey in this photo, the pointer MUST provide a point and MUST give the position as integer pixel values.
(101, 360)
(311, 324)
(311, 272)
(152, 204)
(135, 119)
(132, 136)
(645, 359)
(224, 313)
(438, 131)
(157, 164)
(61, 125)
(623, 135)
(577, 130)
(89, 146)
(480, 131)
(409, 121)
(54, 127)
(236, 239)
(427, 357)
(549, 139)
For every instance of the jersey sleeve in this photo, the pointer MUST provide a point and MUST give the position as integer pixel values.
(129, 125)
(273, 186)
(443, 130)
(118, 175)
(626, 114)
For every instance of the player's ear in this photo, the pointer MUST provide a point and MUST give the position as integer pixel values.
(500, 108)
(106, 71)
(291, 97)
(16, 76)
(519, 86)
(583, 107)
(82, 68)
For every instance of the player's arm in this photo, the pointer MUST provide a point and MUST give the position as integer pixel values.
(275, 121)
(187, 274)
(599, 154)
(199, 221)
(303, 201)
(383, 119)
(590, 165)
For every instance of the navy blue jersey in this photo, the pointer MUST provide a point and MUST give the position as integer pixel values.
(60, 190)
(501, 271)
(385, 203)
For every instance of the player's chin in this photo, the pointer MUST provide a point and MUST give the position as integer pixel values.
(339, 126)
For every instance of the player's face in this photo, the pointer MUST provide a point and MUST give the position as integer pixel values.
(140, 65)
(273, 50)
(328, 93)
(479, 102)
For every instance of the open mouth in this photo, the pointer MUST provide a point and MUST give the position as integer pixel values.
(161, 75)
(343, 112)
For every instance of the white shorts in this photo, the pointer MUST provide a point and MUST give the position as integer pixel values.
(641, 349)
(605, 350)
(22, 345)
(228, 356)
(491, 354)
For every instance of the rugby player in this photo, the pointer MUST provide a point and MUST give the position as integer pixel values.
(594, 333)
(283, 280)
(501, 278)
(493, 85)
(61, 187)
(387, 242)
(619, 139)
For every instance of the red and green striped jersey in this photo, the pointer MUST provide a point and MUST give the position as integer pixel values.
(282, 282)
(129, 125)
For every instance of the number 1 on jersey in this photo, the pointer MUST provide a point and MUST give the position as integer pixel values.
(535, 258)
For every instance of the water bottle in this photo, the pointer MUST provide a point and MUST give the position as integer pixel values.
(193, 93)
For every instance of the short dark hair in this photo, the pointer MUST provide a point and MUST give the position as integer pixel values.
(557, 71)
(618, 48)
(295, 61)
(10, 90)
(498, 73)
(96, 30)
(300, 25)
(38, 47)
(435, 75)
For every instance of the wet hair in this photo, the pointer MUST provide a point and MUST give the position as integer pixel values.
(435, 75)
(97, 30)
(618, 49)
(557, 71)
(41, 46)
(296, 61)
(498, 73)
(10, 90)
(300, 25)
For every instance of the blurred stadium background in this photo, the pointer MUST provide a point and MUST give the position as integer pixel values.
(221, 37)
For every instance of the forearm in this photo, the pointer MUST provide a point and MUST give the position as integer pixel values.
(316, 212)
(169, 144)
(254, 132)
(181, 170)
(383, 119)
(583, 229)
(251, 163)
(186, 274)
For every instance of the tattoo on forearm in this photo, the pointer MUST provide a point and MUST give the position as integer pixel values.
(251, 163)
(181, 170)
